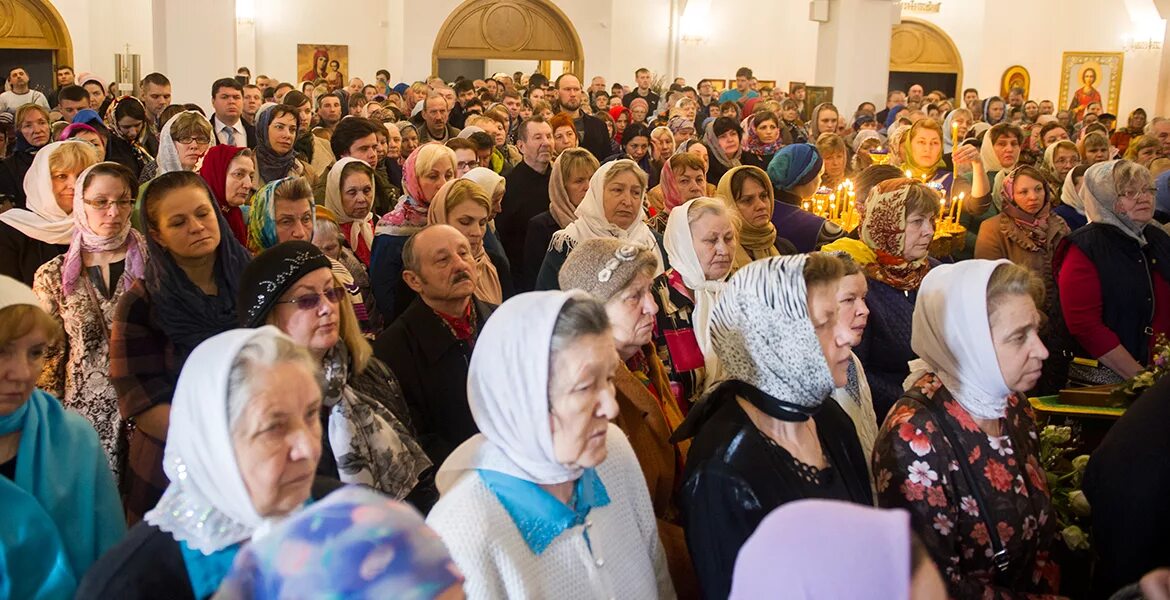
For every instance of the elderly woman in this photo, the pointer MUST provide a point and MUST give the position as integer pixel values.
(276, 132)
(33, 236)
(795, 173)
(1026, 232)
(845, 551)
(648, 401)
(345, 541)
(567, 185)
(61, 509)
(187, 294)
(349, 195)
(722, 138)
(747, 193)
(661, 149)
(898, 227)
(1114, 273)
(835, 153)
(230, 172)
(80, 289)
(182, 143)
(1072, 204)
(425, 172)
(409, 138)
(549, 497)
(32, 133)
(1143, 150)
(682, 179)
(701, 244)
(1060, 157)
(767, 433)
(987, 522)
(612, 207)
(365, 423)
(243, 443)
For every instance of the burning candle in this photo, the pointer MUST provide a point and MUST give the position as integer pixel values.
(909, 175)
(954, 135)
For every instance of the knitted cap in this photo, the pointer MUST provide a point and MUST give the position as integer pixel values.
(795, 164)
(273, 272)
(603, 267)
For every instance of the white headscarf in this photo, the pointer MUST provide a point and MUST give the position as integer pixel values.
(207, 505)
(952, 337)
(1070, 193)
(680, 247)
(1100, 197)
(487, 179)
(43, 219)
(363, 229)
(591, 222)
(168, 154)
(507, 389)
(14, 292)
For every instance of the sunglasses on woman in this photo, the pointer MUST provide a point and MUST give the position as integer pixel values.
(312, 301)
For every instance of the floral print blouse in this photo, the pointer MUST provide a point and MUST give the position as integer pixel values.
(916, 468)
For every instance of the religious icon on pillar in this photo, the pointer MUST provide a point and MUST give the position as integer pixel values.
(1015, 77)
(1090, 82)
(323, 63)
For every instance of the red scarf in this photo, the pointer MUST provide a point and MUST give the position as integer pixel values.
(214, 171)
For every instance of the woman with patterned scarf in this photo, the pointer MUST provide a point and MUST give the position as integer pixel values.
(898, 227)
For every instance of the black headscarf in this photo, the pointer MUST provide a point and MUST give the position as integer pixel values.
(272, 166)
(273, 272)
(186, 314)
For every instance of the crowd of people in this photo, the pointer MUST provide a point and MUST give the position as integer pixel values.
(520, 338)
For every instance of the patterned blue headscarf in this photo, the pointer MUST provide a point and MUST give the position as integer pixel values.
(355, 543)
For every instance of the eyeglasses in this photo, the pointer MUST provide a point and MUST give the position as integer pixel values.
(104, 205)
(1134, 194)
(312, 301)
(202, 141)
(467, 164)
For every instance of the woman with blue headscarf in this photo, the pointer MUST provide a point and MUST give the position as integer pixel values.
(795, 172)
(60, 505)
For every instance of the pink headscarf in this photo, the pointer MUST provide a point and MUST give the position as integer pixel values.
(85, 240)
(826, 549)
(410, 215)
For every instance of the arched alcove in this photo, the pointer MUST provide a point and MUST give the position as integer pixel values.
(919, 47)
(511, 30)
(35, 25)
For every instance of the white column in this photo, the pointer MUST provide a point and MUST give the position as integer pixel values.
(194, 44)
(853, 51)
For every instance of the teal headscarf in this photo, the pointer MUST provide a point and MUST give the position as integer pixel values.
(61, 512)
(262, 217)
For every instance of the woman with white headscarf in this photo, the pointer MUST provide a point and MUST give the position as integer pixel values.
(182, 142)
(32, 236)
(80, 290)
(1114, 273)
(241, 452)
(613, 207)
(987, 522)
(701, 243)
(767, 432)
(548, 499)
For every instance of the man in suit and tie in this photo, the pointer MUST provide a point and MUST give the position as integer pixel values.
(227, 99)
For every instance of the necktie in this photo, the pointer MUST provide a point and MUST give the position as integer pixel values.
(231, 135)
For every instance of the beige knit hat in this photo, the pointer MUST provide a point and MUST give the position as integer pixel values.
(604, 266)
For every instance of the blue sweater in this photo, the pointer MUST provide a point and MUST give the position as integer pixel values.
(885, 345)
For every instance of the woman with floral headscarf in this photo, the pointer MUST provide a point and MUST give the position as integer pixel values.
(1114, 273)
(898, 227)
(80, 289)
(761, 138)
(767, 433)
(1026, 232)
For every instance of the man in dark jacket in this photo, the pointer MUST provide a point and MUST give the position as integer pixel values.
(526, 195)
(592, 134)
(429, 346)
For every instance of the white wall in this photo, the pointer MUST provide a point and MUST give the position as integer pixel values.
(990, 44)
(282, 24)
(102, 28)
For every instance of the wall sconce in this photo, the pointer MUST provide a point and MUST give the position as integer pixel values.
(1147, 37)
(694, 22)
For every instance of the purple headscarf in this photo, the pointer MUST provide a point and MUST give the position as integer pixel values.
(826, 549)
(86, 240)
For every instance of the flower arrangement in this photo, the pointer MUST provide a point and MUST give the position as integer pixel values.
(1159, 366)
(1072, 510)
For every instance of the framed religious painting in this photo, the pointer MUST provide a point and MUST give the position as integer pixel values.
(716, 84)
(1015, 77)
(765, 83)
(1090, 77)
(818, 94)
(323, 62)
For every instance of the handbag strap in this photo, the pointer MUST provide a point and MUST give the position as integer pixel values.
(999, 557)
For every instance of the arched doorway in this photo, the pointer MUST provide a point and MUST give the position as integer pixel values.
(33, 35)
(922, 53)
(509, 30)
